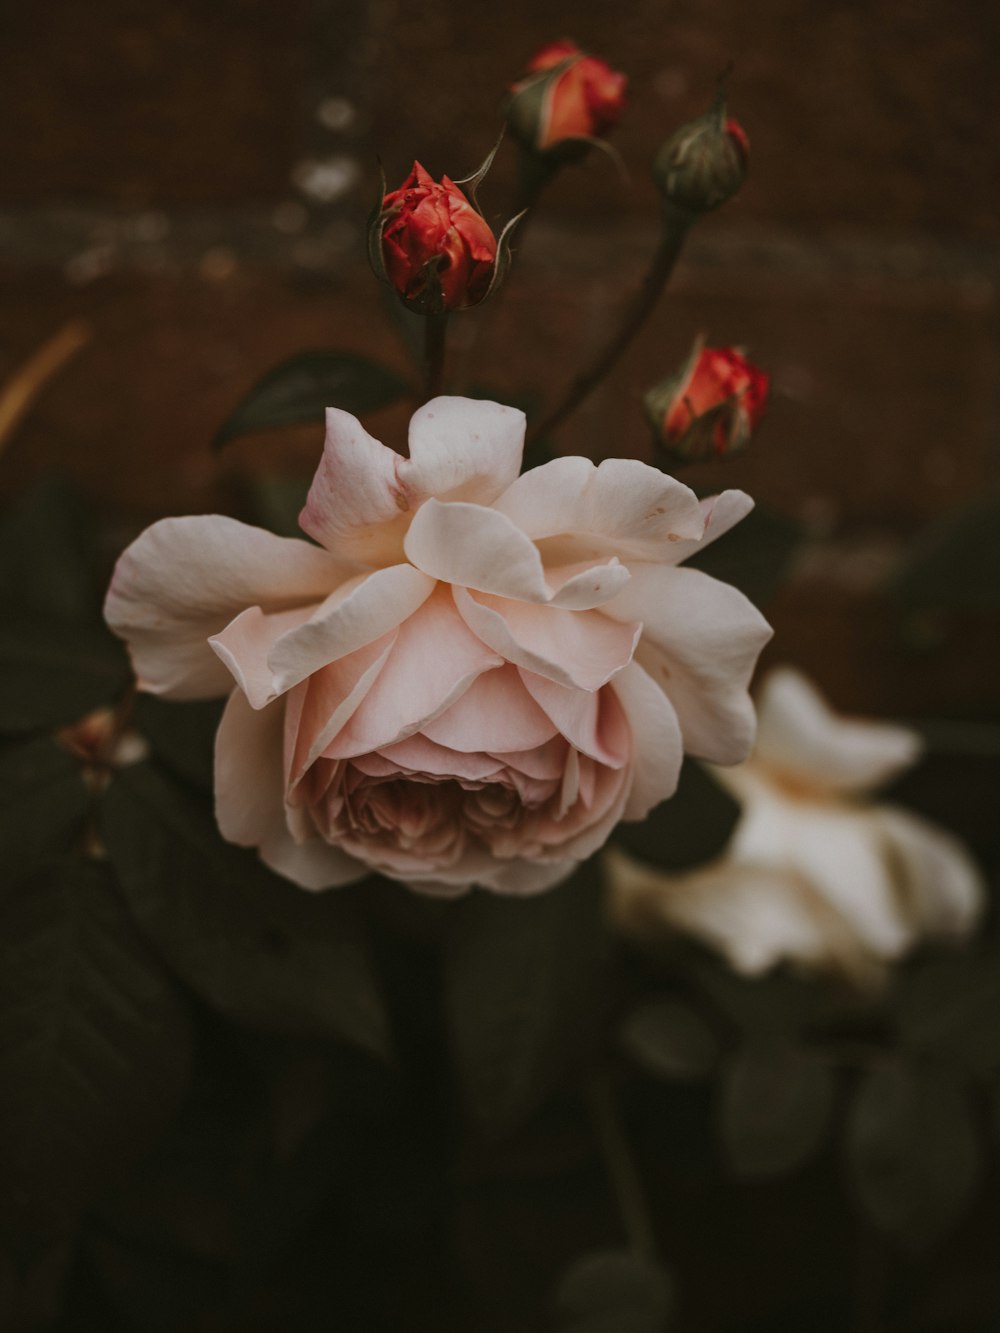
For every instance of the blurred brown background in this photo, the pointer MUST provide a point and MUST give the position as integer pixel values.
(192, 179)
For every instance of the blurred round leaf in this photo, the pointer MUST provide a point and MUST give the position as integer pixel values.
(950, 1007)
(613, 1291)
(774, 1109)
(525, 992)
(912, 1151)
(669, 1039)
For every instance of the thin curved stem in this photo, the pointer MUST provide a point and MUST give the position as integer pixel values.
(622, 1172)
(435, 337)
(641, 307)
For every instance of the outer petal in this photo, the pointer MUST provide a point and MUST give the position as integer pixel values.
(754, 915)
(944, 891)
(582, 649)
(249, 772)
(185, 579)
(657, 748)
(462, 449)
(720, 512)
(803, 739)
(701, 639)
(313, 864)
(244, 646)
(622, 507)
(357, 507)
(835, 849)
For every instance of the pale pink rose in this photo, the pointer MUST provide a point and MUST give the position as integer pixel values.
(816, 871)
(472, 678)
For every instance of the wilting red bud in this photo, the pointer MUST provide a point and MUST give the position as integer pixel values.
(712, 407)
(567, 96)
(438, 251)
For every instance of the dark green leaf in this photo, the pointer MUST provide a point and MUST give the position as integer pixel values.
(774, 1109)
(278, 501)
(524, 982)
(688, 829)
(950, 1007)
(47, 560)
(912, 1151)
(301, 389)
(613, 1291)
(754, 557)
(52, 675)
(670, 1040)
(181, 735)
(43, 805)
(94, 1046)
(255, 946)
(954, 563)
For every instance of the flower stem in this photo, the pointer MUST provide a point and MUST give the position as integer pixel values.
(621, 1168)
(671, 241)
(435, 335)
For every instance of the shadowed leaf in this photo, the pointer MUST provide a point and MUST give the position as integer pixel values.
(95, 1047)
(256, 947)
(300, 390)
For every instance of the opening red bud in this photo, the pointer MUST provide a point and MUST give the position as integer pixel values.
(435, 247)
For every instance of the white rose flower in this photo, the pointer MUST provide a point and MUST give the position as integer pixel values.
(814, 872)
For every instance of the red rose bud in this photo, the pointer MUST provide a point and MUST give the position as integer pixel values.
(704, 163)
(436, 249)
(711, 408)
(567, 97)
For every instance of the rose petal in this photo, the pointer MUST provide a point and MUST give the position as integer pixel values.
(244, 646)
(657, 747)
(720, 512)
(700, 641)
(462, 449)
(582, 649)
(755, 916)
(328, 698)
(496, 713)
(623, 507)
(314, 864)
(802, 737)
(435, 660)
(582, 717)
(417, 754)
(944, 890)
(185, 579)
(357, 507)
(837, 851)
(249, 786)
(357, 614)
(473, 547)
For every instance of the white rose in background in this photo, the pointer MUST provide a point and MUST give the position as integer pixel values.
(472, 677)
(814, 872)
